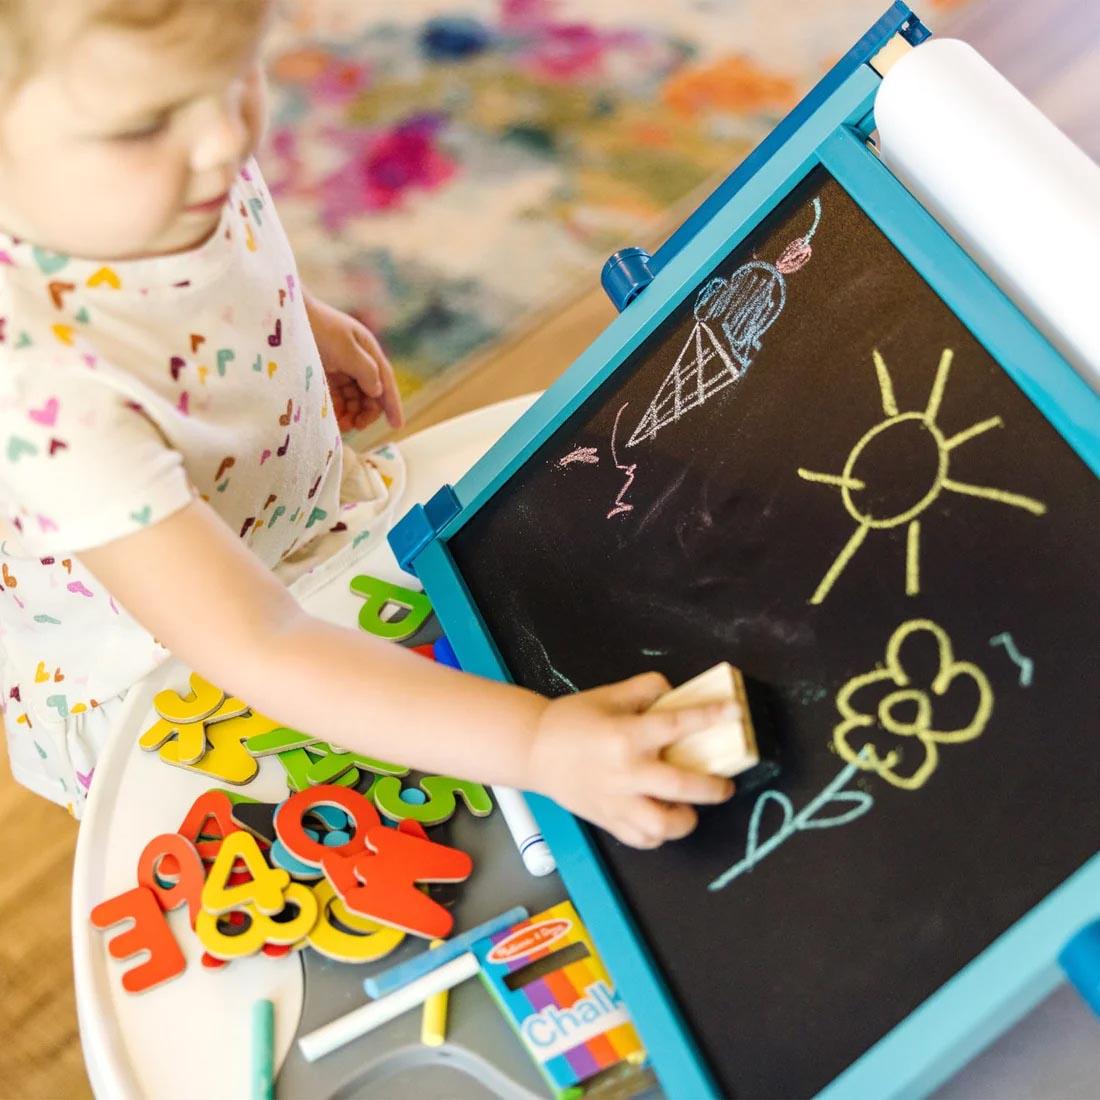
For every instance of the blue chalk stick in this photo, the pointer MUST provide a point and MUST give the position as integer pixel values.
(263, 1050)
(400, 975)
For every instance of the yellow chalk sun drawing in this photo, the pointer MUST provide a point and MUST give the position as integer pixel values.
(923, 494)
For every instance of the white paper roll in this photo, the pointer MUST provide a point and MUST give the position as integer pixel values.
(1005, 182)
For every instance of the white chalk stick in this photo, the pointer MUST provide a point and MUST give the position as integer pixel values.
(375, 1013)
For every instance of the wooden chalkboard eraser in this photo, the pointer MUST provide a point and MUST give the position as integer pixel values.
(727, 748)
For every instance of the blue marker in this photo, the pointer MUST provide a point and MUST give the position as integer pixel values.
(533, 849)
(400, 975)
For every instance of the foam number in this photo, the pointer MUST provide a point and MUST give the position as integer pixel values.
(441, 802)
(264, 888)
(380, 882)
(208, 823)
(171, 856)
(347, 937)
(381, 614)
(149, 933)
(226, 936)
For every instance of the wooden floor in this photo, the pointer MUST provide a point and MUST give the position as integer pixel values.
(1050, 50)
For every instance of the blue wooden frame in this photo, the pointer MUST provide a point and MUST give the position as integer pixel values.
(1020, 967)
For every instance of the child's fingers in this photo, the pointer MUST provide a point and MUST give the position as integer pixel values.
(639, 692)
(391, 396)
(666, 781)
(633, 837)
(365, 367)
(369, 342)
(655, 822)
(367, 415)
(658, 730)
(385, 390)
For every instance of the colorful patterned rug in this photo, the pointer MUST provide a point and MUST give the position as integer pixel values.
(448, 170)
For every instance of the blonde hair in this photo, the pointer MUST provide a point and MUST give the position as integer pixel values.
(214, 28)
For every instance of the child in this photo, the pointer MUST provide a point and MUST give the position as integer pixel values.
(171, 400)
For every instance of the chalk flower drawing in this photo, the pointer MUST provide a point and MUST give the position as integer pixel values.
(908, 711)
(731, 317)
(922, 495)
(813, 816)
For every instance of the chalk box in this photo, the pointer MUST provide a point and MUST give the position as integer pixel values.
(570, 1018)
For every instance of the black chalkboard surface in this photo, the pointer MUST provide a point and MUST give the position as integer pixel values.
(814, 471)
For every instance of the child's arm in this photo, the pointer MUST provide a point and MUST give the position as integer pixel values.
(192, 583)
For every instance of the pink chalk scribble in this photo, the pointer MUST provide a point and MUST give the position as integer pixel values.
(795, 255)
(620, 504)
(585, 455)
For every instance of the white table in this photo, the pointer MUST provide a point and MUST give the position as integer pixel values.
(190, 1037)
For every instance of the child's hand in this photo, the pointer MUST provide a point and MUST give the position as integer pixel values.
(598, 755)
(359, 374)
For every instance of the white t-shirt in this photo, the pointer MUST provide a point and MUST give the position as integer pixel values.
(125, 388)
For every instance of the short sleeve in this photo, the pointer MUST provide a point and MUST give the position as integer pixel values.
(81, 464)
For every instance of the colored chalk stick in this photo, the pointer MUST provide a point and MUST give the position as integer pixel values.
(362, 1020)
(440, 802)
(263, 1050)
(433, 1024)
(378, 985)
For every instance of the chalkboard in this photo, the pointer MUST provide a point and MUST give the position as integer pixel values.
(814, 471)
